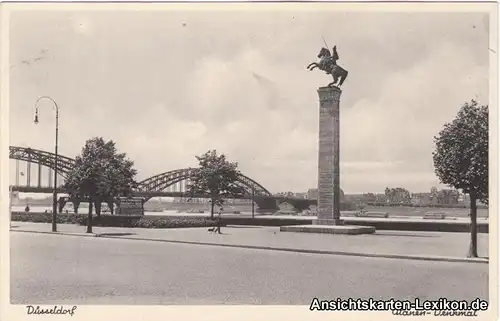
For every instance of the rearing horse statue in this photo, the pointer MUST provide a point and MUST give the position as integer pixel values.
(328, 63)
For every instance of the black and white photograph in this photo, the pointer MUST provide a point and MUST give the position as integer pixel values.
(321, 156)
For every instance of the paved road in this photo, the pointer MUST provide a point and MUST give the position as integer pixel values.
(50, 269)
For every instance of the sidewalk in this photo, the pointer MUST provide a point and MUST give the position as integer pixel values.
(344, 215)
(436, 246)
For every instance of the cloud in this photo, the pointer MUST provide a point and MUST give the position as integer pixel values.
(413, 105)
(237, 82)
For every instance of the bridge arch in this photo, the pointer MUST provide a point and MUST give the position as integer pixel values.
(153, 184)
(164, 180)
(47, 159)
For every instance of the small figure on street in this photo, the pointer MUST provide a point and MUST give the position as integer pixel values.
(219, 220)
(217, 227)
(27, 209)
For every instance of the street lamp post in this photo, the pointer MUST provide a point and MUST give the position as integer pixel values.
(54, 193)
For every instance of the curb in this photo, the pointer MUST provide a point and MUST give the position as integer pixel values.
(283, 249)
(58, 233)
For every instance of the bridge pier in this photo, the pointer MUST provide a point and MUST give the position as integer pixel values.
(266, 204)
(299, 205)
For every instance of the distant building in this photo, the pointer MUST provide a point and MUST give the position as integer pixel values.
(312, 194)
(435, 197)
(301, 195)
(421, 198)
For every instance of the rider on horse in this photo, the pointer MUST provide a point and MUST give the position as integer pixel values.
(333, 60)
(324, 60)
(328, 62)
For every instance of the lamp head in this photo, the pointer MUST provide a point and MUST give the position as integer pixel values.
(36, 117)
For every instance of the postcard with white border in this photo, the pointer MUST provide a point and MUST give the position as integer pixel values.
(255, 160)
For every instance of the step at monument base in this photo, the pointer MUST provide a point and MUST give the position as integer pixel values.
(329, 229)
(328, 221)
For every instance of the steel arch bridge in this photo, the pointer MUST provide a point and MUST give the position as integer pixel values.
(42, 158)
(164, 180)
(156, 183)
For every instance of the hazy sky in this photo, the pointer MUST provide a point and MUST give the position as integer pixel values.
(169, 85)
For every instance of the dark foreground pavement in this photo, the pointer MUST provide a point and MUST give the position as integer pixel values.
(51, 269)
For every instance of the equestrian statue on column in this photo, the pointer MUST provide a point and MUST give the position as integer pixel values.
(328, 63)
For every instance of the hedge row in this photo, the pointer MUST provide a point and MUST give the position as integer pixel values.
(46, 217)
(117, 220)
(175, 222)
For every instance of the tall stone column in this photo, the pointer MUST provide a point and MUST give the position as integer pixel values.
(329, 157)
(329, 221)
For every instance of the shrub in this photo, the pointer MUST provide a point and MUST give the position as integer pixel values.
(111, 220)
(175, 222)
(47, 217)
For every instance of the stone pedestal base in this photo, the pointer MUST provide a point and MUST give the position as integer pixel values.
(329, 229)
(328, 221)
